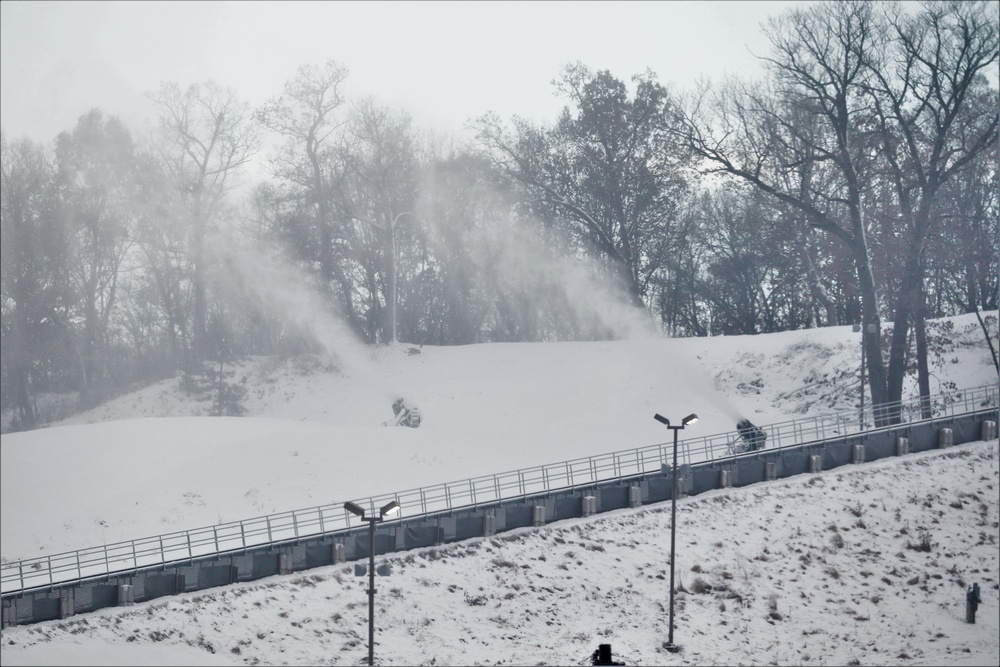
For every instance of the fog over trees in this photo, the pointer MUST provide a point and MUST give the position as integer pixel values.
(854, 181)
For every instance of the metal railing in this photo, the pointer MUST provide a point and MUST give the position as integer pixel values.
(847, 422)
(284, 527)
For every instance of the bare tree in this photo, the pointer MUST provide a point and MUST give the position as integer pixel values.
(207, 135)
(804, 136)
(380, 197)
(965, 252)
(310, 164)
(96, 165)
(33, 254)
(931, 127)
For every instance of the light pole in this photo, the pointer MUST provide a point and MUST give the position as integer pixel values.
(372, 520)
(871, 330)
(690, 419)
(391, 279)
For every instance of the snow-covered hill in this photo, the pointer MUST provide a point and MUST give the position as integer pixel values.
(148, 463)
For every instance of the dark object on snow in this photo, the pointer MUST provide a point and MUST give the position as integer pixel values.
(602, 656)
(972, 600)
(406, 415)
(754, 436)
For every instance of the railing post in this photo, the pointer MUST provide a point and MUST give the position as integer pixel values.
(107, 563)
(79, 569)
(295, 524)
(243, 535)
(187, 535)
(215, 534)
(322, 528)
(163, 555)
(268, 520)
(496, 486)
(472, 492)
(135, 558)
(50, 570)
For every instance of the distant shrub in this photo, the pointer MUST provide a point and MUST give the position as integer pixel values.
(772, 608)
(923, 542)
(699, 586)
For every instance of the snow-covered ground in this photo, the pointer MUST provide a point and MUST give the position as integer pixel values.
(822, 569)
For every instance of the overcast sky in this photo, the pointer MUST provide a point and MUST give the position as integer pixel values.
(443, 62)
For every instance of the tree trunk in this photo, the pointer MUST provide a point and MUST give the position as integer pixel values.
(923, 372)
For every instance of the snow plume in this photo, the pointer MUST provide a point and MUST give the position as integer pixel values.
(593, 304)
(536, 287)
(281, 289)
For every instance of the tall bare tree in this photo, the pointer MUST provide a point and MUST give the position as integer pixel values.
(380, 197)
(805, 136)
(927, 86)
(95, 169)
(32, 269)
(208, 133)
(310, 166)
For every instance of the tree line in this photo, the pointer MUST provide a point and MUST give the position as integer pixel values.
(853, 181)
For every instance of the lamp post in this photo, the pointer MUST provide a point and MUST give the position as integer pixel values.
(871, 330)
(390, 235)
(372, 520)
(690, 419)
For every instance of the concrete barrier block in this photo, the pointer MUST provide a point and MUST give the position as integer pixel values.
(770, 471)
(634, 495)
(538, 515)
(946, 437)
(815, 463)
(589, 505)
(858, 454)
(489, 525)
(902, 446)
(989, 431)
(726, 479)
(66, 606)
(126, 595)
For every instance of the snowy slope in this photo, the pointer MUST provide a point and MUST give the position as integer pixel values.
(147, 463)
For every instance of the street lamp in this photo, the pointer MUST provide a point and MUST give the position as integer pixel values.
(871, 330)
(690, 419)
(385, 511)
(390, 251)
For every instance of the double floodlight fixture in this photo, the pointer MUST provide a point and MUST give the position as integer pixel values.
(384, 511)
(690, 419)
(389, 508)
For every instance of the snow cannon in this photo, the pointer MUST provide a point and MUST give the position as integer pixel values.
(752, 435)
(405, 414)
